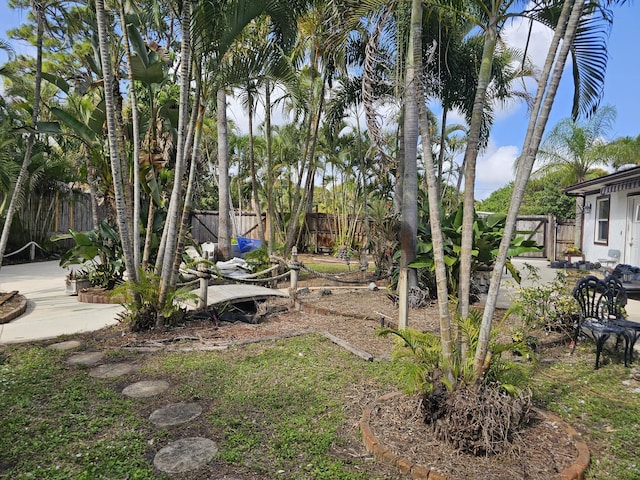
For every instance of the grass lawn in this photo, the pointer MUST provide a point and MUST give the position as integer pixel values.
(600, 406)
(275, 409)
(282, 410)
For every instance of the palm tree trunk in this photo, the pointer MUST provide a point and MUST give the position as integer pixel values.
(136, 141)
(443, 133)
(444, 314)
(224, 219)
(409, 223)
(38, 10)
(173, 212)
(305, 199)
(545, 97)
(437, 237)
(270, 174)
(470, 157)
(92, 193)
(397, 194)
(196, 130)
(112, 133)
(311, 173)
(148, 234)
(254, 180)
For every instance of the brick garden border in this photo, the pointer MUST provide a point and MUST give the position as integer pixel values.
(421, 472)
(17, 311)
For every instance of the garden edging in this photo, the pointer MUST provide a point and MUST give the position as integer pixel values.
(18, 310)
(420, 472)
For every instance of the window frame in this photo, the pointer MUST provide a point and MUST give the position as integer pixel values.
(602, 222)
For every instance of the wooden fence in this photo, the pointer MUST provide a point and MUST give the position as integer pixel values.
(44, 215)
(325, 232)
(565, 237)
(74, 213)
(204, 225)
(322, 232)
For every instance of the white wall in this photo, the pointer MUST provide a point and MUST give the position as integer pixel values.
(617, 227)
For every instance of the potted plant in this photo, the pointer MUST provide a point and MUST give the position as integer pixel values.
(76, 280)
(572, 253)
(99, 252)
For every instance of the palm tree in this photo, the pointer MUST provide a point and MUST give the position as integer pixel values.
(166, 258)
(573, 149)
(136, 139)
(572, 17)
(315, 76)
(492, 17)
(224, 220)
(623, 151)
(114, 148)
(409, 220)
(18, 192)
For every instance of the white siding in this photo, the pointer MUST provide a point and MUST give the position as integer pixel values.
(618, 218)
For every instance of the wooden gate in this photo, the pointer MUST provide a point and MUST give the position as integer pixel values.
(565, 238)
(554, 235)
(204, 225)
(539, 229)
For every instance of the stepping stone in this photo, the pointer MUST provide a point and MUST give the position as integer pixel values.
(185, 455)
(112, 370)
(145, 388)
(175, 414)
(68, 345)
(85, 358)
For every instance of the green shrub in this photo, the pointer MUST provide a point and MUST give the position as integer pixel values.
(549, 306)
(100, 253)
(140, 300)
(423, 366)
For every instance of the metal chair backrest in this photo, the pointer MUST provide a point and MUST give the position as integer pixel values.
(614, 254)
(591, 293)
(617, 297)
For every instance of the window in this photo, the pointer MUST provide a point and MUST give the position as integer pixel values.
(602, 220)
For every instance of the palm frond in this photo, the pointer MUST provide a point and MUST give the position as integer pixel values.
(589, 53)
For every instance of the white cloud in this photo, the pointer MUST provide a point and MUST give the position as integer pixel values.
(238, 113)
(515, 35)
(494, 168)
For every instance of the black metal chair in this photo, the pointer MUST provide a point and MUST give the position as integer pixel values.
(617, 315)
(593, 297)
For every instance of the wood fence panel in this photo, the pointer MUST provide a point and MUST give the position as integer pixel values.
(74, 212)
(324, 232)
(565, 237)
(204, 225)
(536, 227)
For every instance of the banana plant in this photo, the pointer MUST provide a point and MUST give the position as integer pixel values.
(99, 251)
(487, 234)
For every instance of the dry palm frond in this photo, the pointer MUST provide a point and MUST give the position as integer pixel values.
(369, 77)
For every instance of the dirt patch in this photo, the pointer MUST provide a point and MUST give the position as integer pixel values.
(350, 314)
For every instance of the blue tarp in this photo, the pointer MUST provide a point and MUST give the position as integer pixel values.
(247, 244)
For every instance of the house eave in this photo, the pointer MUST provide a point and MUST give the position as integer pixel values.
(622, 180)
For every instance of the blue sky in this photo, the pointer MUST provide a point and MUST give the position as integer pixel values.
(495, 165)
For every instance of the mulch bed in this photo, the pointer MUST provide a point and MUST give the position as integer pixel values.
(543, 450)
